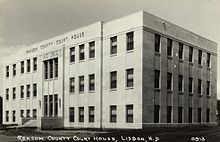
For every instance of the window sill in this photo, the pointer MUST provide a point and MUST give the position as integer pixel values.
(34, 97)
(130, 51)
(181, 60)
(72, 93)
(34, 71)
(170, 57)
(51, 79)
(209, 68)
(200, 95)
(21, 98)
(169, 91)
(28, 97)
(113, 55)
(113, 89)
(200, 66)
(191, 63)
(190, 94)
(92, 91)
(157, 89)
(92, 59)
(13, 99)
(129, 88)
(157, 54)
(180, 92)
(71, 63)
(28, 72)
(81, 61)
(208, 96)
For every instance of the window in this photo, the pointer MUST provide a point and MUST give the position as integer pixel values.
(35, 64)
(92, 49)
(208, 59)
(51, 68)
(81, 84)
(180, 87)
(156, 113)
(28, 113)
(130, 77)
(199, 115)
(14, 69)
(130, 41)
(13, 116)
(72, 85)
(7, 116)
(7, 94)
(14, 93)
(190, 54)
(91, 114)
(156, 78)
(157, 43)
(169, 47)
(45, 70)
(208, 88)
(180, 114)
(50, 105)
(113, 78)
(35, 89)
(22, 92)
(169, 81)
(129, 113)
(190, 115)
(113, 45)
(81, 114)
(190, 85)
(28, 65)
(71, 114)
(56, 66)
(72, 54)
(91, 82)
(180, 51)
(34, 113)
(169, 114)
(81, 52)
(200, 57)
(207, 115)
(7, 71)
(200, 86)
(113, 114)
(28, 91)
(22, 66)
(22, 113)
(45, 105)
(55, 105)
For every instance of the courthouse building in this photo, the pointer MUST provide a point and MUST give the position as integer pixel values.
(132, 72)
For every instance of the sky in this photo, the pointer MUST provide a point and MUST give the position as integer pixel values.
(25, 22)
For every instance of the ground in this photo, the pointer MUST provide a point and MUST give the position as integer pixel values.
(186, 134)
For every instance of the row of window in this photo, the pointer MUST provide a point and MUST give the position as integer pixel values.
(28, 92)
(113, 81)
(22, 67)
(180, 114)
(112, 114)
(180, 83)
(113, 44)
(181, 51)
(34, 115)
